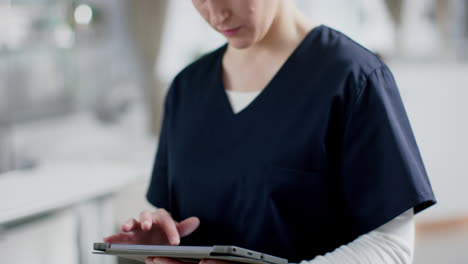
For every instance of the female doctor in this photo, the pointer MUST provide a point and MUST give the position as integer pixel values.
(291, 140)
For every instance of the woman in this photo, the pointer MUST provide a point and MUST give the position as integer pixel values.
(291, 140)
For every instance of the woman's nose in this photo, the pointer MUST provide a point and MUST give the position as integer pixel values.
(218, 14)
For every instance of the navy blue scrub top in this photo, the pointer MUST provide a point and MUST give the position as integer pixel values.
(324, 154)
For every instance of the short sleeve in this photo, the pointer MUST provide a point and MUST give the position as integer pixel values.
(381, 173)
(158, 190)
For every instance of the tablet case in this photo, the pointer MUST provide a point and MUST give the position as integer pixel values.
(187, 253)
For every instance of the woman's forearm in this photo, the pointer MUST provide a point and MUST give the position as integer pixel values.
(392, 243)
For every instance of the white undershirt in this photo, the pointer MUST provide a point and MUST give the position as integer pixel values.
(240, 100)
(392, 243)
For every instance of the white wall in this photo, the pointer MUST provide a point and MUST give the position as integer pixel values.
(436, 100)
(50, 240)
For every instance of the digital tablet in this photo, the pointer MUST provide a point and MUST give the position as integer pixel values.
(187, 253)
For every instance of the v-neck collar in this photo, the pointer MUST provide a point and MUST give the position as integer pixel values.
(267, 89)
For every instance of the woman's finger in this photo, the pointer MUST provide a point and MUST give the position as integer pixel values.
(187, 226)
(146, 220)
(163, 260)
(130, 225)
(111, 239)
(215, 261)
(120, 238)
(168, 225)
(149, 260)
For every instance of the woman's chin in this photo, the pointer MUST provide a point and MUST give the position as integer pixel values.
(239, 43)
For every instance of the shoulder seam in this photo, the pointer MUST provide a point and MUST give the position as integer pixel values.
(364, 78)
(360, 45)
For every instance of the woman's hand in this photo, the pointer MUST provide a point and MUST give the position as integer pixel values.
(156, 228)
(163, 260)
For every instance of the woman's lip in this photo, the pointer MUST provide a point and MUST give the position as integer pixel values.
(230, 32)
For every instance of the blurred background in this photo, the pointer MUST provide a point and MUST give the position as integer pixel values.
(81, 91)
